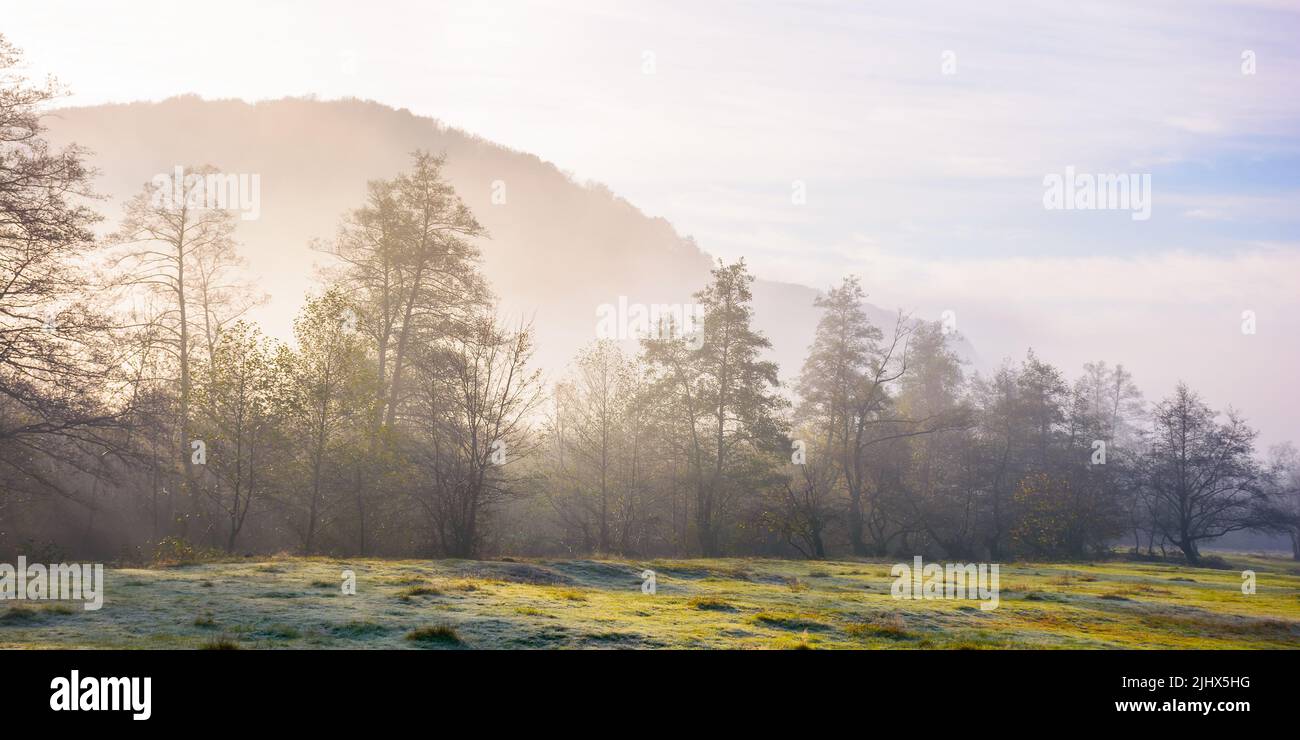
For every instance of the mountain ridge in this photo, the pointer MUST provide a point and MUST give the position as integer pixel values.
(558, 248)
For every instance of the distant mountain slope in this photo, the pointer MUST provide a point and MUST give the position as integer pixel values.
(558, 248)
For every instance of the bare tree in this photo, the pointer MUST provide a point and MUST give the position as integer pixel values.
(471, 412)
(171, 244)
(55, 391)
(1282, 510)
(598, 400)
(1200, 473)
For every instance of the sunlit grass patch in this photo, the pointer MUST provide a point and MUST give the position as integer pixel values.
(24, 614)
(358, 628)
(1043, 596)
(615, 637)
(19, 614)
(802, 641)
(410, 592)
(569, 594)
(1214, 624)
(224, 642)
(279, 632)
(889, 627)
(437, 634)
(1142, 589)
(787, 621)
(735, 573)
(701, 604)
(710, 603)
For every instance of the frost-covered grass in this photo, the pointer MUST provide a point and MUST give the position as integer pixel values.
(724, 603)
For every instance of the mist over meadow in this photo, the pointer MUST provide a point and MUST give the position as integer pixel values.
(894, 294)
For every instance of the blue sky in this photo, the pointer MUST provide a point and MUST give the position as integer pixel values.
(927, 184)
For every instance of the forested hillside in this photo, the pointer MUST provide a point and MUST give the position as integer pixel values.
(397, 347)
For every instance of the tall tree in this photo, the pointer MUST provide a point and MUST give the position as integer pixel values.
(1282, 511)
(170, 244)
(241, 402)
(470, 415)
(410, 267)
(332, 391)
(723, 395)
(53, 362)
(932, 499)
(601, 395)
(1200, 472)
(848, 391)
(833, 388)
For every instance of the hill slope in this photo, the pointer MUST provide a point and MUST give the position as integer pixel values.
(558, 248)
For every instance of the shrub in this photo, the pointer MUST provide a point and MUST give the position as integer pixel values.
(224, 642)
(410, 591)
(890, 627)
(787, 621)
(709, 603)
(443, 634)
(358, 628)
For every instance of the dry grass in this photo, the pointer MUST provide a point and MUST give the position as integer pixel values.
(729, 603)
(437, 634)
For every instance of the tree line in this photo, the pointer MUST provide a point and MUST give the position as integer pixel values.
(142, 412)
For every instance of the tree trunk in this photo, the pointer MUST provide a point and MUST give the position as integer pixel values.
(855, 523)
(187, 483)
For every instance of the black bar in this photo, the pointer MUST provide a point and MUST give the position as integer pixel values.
(966, 690)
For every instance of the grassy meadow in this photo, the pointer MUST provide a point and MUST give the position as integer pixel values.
(291, 602)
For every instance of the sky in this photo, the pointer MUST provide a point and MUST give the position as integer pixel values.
(905, 142)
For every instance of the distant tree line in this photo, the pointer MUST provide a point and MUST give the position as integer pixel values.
(141, 412)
